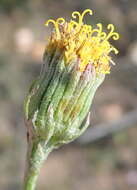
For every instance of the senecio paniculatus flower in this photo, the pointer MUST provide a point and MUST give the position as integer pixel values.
(76, 60)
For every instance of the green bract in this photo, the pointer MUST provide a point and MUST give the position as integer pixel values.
(59, 100)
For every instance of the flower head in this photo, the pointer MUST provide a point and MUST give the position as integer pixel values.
(80, 41)
(76, 60)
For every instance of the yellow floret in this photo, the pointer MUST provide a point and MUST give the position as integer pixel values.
(79, 40)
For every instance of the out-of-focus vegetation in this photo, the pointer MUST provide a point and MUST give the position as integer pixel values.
(9, 6)
(109, 163)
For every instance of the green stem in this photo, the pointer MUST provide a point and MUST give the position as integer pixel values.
(37, 154)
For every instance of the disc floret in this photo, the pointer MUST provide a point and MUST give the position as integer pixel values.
(80, 40)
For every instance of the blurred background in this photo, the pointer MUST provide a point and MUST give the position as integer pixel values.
(105, 157)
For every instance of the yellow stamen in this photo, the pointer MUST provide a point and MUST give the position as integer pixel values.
(112, 34)
(81, 41)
